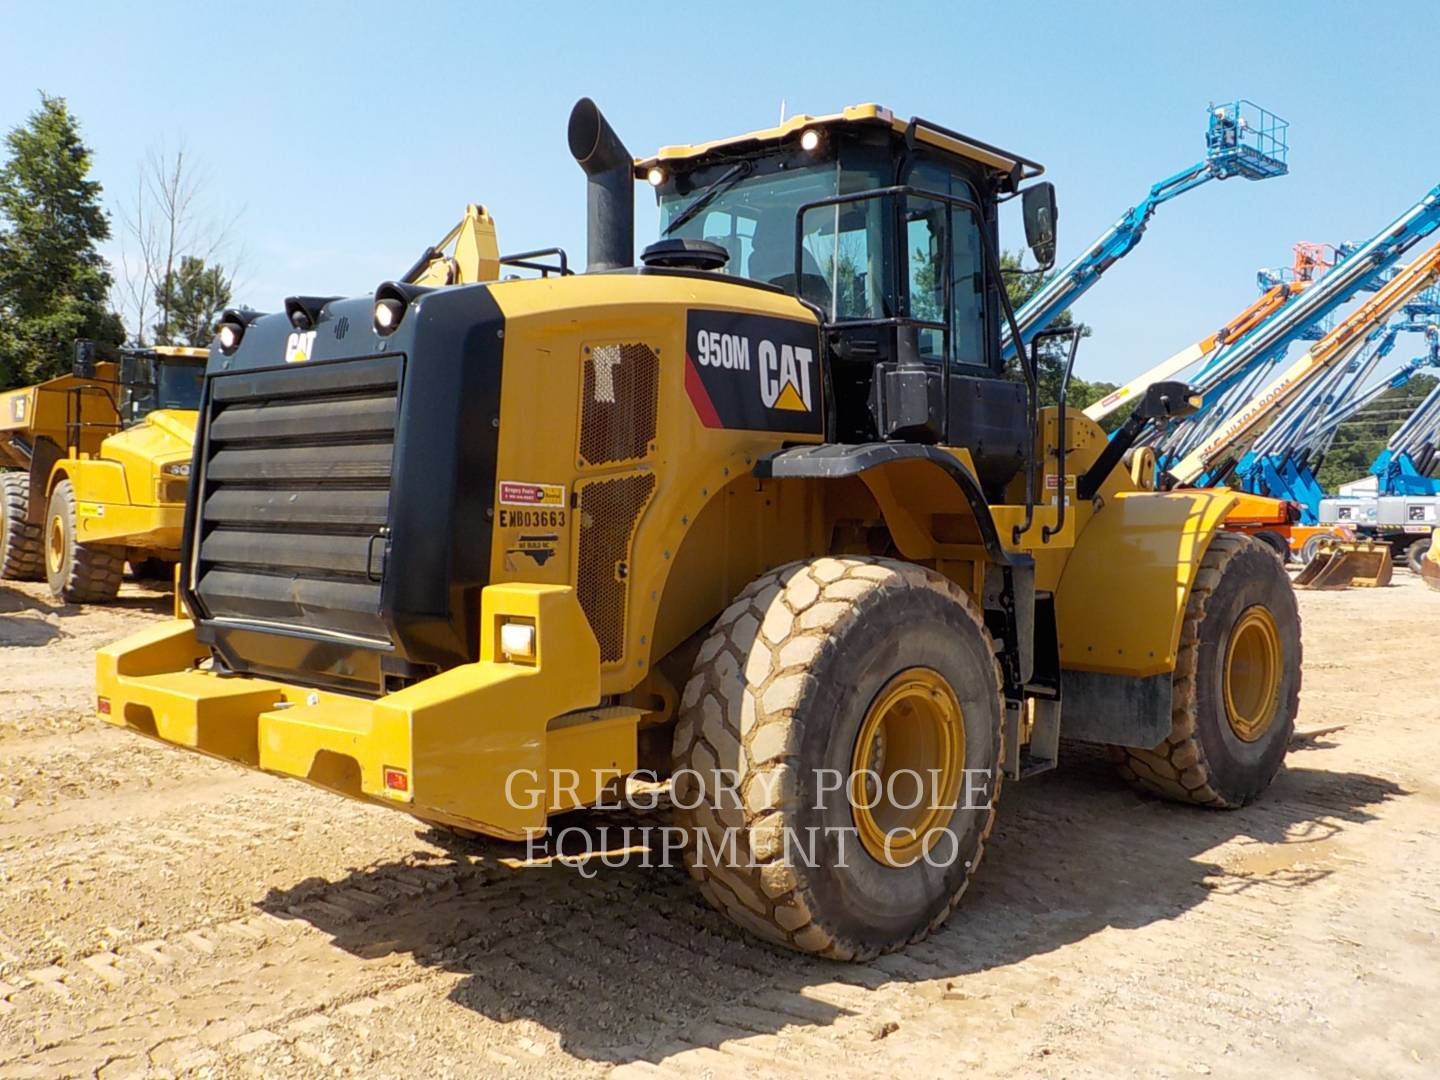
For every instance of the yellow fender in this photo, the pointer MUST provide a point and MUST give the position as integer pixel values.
(1121, 599)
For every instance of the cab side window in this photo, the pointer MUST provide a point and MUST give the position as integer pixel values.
(926, 244)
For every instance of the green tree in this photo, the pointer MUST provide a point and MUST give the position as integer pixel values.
(53, 281)
(1360, 439)
(188, 299)
(1051, 353)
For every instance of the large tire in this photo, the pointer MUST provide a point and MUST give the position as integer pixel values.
(1276, 543)
(1242, 633)
(21, 557)
(1415, 554)
(807, 659)
(77, 573)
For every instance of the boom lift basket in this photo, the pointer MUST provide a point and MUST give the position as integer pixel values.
(1246, 140)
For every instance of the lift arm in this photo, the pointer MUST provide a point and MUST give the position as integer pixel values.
(1242, 140)
(1334, 348)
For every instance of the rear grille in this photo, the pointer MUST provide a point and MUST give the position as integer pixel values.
(297, 495)
(617, 416)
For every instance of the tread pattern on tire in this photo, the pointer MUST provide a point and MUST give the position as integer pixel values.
(1177, 769)
(95, 570)
(21, 556)
(761, 648)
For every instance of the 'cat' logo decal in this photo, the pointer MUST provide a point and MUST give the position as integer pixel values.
(753, 372)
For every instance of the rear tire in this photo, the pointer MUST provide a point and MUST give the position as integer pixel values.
(794, 691)
(77, 573)
(1311, 548)
(21, 555)
(1415, 554)
(1236, 683)
(1276, 543)
(153, 570)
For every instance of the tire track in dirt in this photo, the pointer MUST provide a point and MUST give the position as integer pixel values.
(220, 921)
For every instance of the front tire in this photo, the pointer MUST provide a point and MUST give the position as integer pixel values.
(77, 573)
(21, 557)
(826, 685)
(1236, 686)
(1415, 554)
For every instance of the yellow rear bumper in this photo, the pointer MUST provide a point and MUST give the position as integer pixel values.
(494, 746)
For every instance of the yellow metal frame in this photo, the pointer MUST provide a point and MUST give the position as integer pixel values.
(489, 745)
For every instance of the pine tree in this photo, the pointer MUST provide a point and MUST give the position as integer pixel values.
(188, 300)
(53, 282)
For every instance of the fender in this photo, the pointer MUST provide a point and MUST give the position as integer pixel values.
(1014, 606)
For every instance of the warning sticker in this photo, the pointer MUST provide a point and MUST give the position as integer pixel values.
(515, 493)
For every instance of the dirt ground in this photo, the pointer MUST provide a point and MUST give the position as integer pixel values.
(161, 914)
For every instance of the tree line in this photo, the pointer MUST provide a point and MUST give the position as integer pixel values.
(55, 285)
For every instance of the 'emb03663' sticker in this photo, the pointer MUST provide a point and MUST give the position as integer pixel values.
(753, 372)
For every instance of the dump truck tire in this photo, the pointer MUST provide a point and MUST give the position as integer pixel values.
(1415, 554)
(77, 573)
(1236, 684)
(21, 557)
(796, 684)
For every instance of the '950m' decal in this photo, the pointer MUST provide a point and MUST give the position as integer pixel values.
(753, 372)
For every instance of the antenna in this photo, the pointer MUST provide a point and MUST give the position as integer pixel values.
(782, 111)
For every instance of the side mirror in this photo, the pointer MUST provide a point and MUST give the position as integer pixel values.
(1168, 401)
(1041, 215)
(84, 365)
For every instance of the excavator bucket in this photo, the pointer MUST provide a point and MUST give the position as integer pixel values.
(1339, 564)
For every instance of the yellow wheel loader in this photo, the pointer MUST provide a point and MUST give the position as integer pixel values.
(99, 461)
(763, 513)
(1430, 564)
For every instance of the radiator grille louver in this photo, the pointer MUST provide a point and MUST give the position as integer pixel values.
(297, 494)
(618, 406)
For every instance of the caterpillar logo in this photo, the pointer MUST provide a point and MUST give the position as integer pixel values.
(299, 346)
(753, 372)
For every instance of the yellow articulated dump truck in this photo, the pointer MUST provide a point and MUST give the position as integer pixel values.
(763, 514)
(97, 468)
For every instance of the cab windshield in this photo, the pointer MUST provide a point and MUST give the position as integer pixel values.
(752, 216)
(151, 384)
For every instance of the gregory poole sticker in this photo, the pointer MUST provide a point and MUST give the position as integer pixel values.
(517, 493)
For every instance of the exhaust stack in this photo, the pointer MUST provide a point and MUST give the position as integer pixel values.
(610, 194)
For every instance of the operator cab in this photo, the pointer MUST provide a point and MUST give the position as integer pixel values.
(887, 230)
(164, 377)
(145, 380)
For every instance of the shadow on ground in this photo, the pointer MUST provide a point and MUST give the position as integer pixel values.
(635, 953)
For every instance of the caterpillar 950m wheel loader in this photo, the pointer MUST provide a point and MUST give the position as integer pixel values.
(97, 464)
(764, 512)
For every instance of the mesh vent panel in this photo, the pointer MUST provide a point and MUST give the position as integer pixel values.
(609, 511)
(617, 415)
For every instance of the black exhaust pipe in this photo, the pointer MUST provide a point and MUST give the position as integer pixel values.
(610, 194)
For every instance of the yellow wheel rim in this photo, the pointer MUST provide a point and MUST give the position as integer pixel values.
(55, 549)
(907, 765)
(1253, 662)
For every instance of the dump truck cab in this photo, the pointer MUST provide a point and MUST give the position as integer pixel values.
(764, 507)
(103, 458)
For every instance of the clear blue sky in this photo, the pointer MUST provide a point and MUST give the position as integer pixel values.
(351, 135)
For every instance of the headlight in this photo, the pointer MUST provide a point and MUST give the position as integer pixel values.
(388, 313)
(175, 468)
